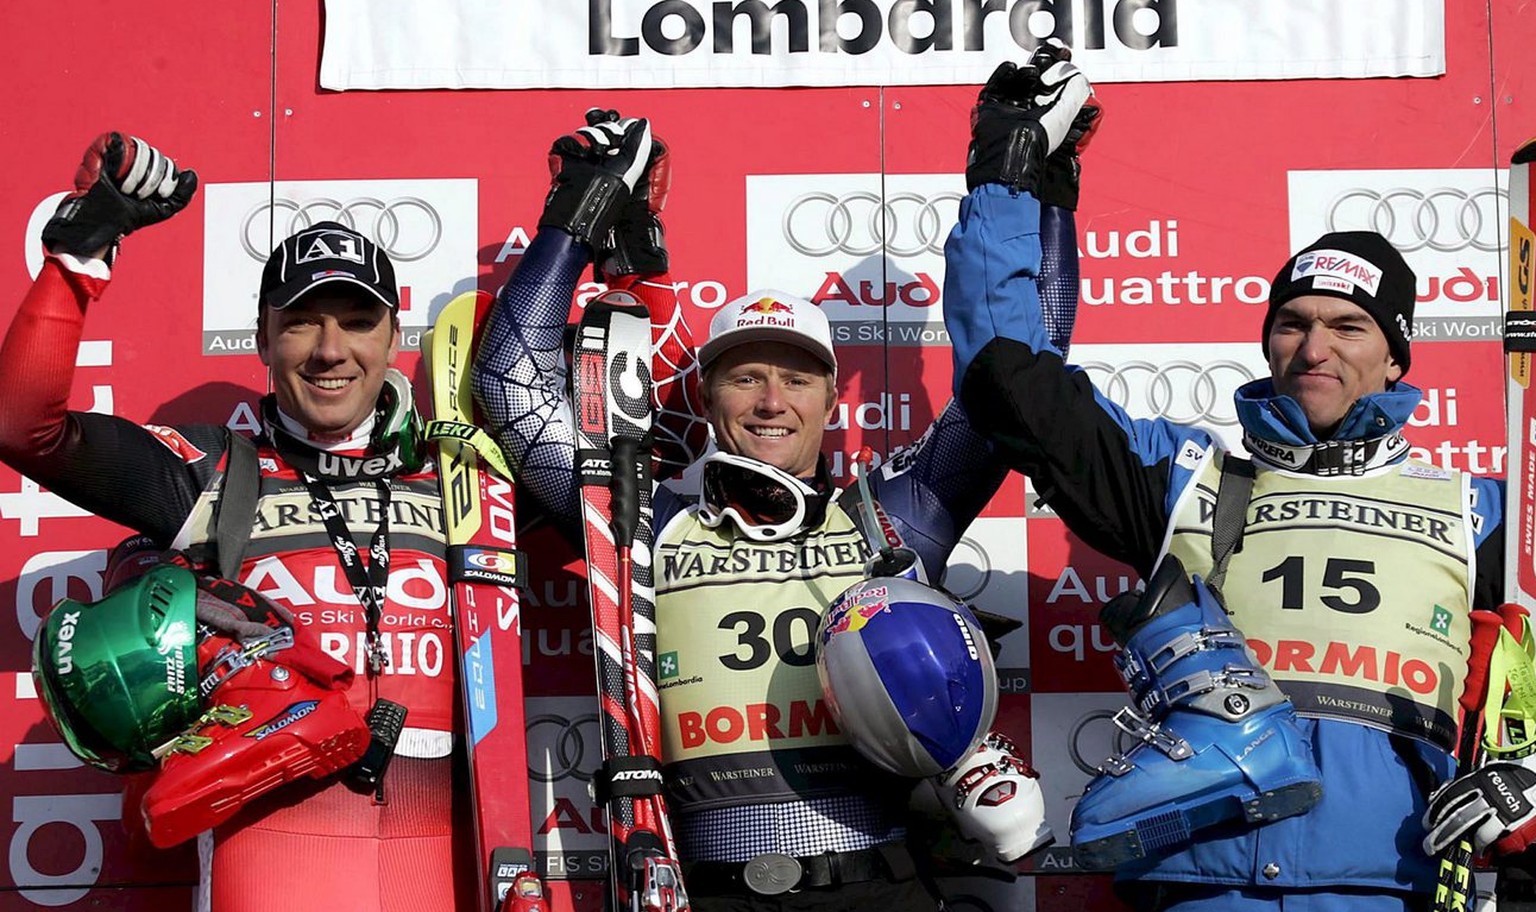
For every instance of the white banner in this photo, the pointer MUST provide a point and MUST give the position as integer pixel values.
(520, 44)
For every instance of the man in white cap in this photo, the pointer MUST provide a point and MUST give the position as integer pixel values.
(746, 567)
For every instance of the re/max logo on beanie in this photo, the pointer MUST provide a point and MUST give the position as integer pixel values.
(1336, 270)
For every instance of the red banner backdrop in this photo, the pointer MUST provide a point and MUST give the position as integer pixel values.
(1194, 193)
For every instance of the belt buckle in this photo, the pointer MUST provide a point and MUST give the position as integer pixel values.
(772, 873)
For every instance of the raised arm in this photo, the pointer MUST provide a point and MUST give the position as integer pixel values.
(520, 371)
(1110, 477)
(934, 490)
(633, 256)
(123, 184)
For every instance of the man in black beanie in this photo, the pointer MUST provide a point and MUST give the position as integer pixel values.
(1318, 336)
(1349, 569)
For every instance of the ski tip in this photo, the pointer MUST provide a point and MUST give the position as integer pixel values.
(469, 300)
(1525, 154)
(464, 307)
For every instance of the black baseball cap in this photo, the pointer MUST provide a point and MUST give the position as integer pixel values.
(327, 253)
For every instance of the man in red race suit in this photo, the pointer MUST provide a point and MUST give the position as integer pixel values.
(347, 532)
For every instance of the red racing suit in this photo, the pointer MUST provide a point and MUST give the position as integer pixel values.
(306, 846)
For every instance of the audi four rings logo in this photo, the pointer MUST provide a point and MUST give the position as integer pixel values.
(1094, 738)
(565, 745)
(862, 223)
(1445, 219)
(1187, 392)
(982, 566)
(407, 228)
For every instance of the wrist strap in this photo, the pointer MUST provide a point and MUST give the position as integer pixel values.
(1509, 714)
(585, 206)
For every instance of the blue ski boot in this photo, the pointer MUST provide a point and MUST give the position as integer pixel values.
(1218, 740)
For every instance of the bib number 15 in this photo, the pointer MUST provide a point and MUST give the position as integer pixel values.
(1347, 583)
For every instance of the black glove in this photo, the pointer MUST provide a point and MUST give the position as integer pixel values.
(122, 185)
(637, 244)
(1022, 115)
(593, 173)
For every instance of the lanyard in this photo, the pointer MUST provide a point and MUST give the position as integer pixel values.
(369, 582)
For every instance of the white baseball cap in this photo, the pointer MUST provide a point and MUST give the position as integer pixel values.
(767, 315)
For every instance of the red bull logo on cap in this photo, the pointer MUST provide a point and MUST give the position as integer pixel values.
(853, 614)
(766, 312)
(767, 306)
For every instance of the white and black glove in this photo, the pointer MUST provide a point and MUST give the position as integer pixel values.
(122, 184)
(1494, 806)
(636, 244)
(996, 800)
(1023, 115)
(1060, 178)
(593, 173)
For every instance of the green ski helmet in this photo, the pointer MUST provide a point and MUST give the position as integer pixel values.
(119, 676)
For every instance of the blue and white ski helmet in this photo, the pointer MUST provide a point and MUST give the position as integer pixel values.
(908, 675)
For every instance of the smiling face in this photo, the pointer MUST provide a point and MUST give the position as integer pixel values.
(328, 352)
(1326, 353)
(771, 402)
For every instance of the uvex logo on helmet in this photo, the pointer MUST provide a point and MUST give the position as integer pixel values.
(64, 652)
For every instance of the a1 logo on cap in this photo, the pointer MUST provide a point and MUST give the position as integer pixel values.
(329, 244)
(1336, 270)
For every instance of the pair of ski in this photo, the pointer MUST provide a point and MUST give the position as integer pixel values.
(611, 397)
(1454, 891)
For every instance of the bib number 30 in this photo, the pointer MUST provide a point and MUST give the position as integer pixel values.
(791, 638)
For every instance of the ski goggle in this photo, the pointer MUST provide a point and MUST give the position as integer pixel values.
(765, 502)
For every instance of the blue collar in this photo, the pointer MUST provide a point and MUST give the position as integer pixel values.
(1279, 419)
(1276, 432)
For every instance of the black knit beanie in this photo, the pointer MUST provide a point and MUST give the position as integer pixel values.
(1358, 266)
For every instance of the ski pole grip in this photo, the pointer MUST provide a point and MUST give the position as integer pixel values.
(1485, 633)
(624, 483)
